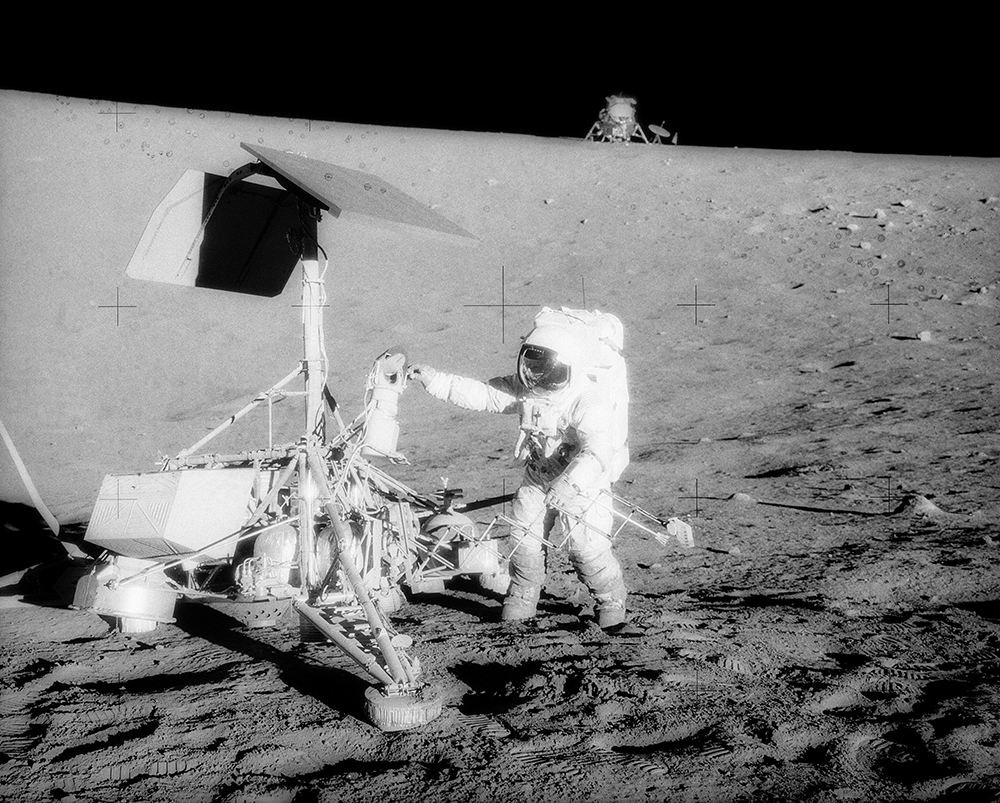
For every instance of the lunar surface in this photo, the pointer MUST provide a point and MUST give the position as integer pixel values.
(812, 340)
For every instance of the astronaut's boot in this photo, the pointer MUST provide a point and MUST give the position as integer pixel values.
(603, 576)
(527, 574)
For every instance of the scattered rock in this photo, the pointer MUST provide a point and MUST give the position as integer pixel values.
(921, 506)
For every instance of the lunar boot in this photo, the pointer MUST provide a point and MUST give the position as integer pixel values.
(603, 577)
(527, 574)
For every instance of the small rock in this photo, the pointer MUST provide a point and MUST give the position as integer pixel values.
(921, 506)
(840, 290)
(983, 291)
(944, 297)
(735, 551)
(582, 222)
(492, 182)
(853, 226)
(880, 214)
(866, 246)
(742, 497)
(925, 336)
(906, 203)
(550, 201)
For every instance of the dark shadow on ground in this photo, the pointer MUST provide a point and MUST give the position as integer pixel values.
(332, 686)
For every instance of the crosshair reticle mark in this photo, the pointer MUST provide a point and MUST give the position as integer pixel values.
(119, 498)
(696, 304)
(888, 494)
(503, 305)
(311, 306)
(696, 497)
(117, 306)
(888, 303)
(117, 114)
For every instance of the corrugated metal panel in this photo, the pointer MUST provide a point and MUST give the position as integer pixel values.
(170, 513)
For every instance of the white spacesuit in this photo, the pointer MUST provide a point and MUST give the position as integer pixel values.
(566, 443)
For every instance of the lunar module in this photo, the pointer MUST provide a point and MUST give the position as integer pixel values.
(316, 525)
(616, 123)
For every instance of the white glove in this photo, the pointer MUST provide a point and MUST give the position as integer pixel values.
(563, 494)
(421, 373)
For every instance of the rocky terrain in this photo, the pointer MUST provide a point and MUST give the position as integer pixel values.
(825, 418)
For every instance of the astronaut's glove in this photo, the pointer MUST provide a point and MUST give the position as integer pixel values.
(564, 495)
(682, 531)
(423, 374)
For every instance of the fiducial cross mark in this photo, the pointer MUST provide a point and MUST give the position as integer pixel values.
(696, 304)
(888, 303)
(503, 305)
(118, 124)
(117, 306)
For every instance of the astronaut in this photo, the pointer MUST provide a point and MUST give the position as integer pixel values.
(567, 447)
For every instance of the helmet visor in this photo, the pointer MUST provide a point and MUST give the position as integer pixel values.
(539, 369)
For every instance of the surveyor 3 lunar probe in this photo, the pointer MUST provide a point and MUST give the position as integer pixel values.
(332, 534)
(315, 524)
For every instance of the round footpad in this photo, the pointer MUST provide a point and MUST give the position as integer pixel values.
(401, 712)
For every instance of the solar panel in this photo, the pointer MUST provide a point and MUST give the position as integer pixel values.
(341, 189)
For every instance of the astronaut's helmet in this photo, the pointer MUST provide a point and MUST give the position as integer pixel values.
(544, 364)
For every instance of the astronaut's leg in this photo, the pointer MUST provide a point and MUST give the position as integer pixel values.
(596, 564)
(527, 558)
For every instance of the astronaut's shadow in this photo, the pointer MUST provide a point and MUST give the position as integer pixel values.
(465, 595)
(461, 595)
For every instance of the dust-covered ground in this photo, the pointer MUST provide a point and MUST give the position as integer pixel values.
(826, 418)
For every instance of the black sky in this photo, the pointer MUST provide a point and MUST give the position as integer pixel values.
(862, 84)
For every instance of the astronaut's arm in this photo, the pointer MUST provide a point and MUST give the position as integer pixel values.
(592, 462)
(496, 396)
